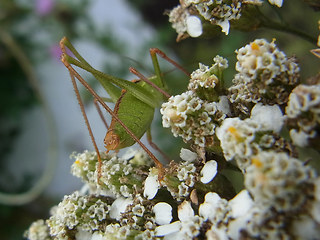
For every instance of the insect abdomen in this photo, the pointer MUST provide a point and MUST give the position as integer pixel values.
(136, 115)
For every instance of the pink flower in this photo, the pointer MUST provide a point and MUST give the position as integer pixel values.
(44, 7)
(55, 51)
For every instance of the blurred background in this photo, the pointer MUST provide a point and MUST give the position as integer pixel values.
(40, 120)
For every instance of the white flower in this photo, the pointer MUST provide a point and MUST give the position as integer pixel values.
(194, 26)
(38, 230)
(208, 208)
(225, 25)
(151, 186)
(97, 236)
(168, 229)
(83, 235)
(185, 211)
(300, 138)
(236, 137)
(270, 117)
(187, 155)
(186, 228)
(315, 211)
(223, 105)
(163, 213)
(304, 228)
(215, 233)
(209, 171)
(278, 3)
(119, 206)
(241, 204)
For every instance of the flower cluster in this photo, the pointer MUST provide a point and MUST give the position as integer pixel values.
(303, 111)
(264, 75)
(194, 114)
(191, 118)
(103, 212)
(186, 18)
(253, 127)
(240, 139)
(193, 199)
(76, 211)
(189, 18)
(118, 175)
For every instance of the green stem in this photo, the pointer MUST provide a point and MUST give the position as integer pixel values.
(282, 27)
(288, 29)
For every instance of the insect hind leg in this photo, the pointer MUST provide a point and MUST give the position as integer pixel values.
(96, 104)
(155, 146)
(157, 51)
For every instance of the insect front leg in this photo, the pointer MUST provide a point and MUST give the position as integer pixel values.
(156, 51)
(83, 111)
(145, 79)
(155, 146)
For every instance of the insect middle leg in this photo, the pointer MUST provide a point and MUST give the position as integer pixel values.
(96, 104)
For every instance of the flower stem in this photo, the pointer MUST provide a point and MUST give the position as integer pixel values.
(283, 27)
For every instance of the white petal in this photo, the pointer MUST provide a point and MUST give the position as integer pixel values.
(209, 171)
(315, 211)
(168, 229)
(119, 206)
(223, 105)
(151, 186)
(225, 25)
(194, 26)
(278, 3)
(97, 236)
(185, 211)
(241, 204)
(215, 233)
(187, 155)
(163, 213)
(299, 138)
(270, 117)
(83, 235)
(212, 197)
(208, 208)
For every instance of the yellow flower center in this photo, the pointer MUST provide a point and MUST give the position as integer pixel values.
(256, 162)
(234, 132)
(254, 46)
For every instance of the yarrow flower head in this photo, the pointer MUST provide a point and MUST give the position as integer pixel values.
(303, 113)
(192, 118)
(207, 81)
(118, 176)
(196, 17)
(38, 230)
(265, 180)
(264, 75)
(194, 114)
(215, 12)
(240, 139)
(187, 227)
(76, 211)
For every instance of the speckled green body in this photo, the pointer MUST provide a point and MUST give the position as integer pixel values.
(135, 100)
(135, 114)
